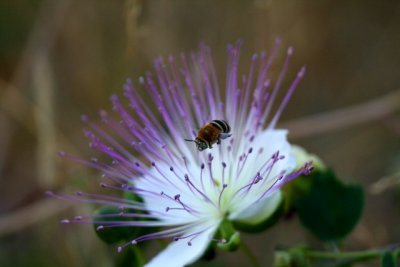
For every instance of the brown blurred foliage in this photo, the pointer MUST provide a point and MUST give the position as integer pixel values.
(59, 59)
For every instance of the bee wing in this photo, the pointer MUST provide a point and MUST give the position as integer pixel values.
(224, 135)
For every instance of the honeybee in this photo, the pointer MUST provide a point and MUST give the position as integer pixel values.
(211, 133)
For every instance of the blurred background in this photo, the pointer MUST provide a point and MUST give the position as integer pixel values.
(60, 59)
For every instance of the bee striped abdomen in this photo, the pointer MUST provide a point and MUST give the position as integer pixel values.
(222, 125)
(211, 133)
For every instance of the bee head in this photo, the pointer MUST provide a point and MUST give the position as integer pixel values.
(200, 144)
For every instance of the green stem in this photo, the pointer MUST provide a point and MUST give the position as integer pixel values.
(334, 246)
(344, 255)
(345, 258)
(249, 254)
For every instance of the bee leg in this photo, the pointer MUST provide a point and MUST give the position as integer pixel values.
(218, 141)
(224, 136)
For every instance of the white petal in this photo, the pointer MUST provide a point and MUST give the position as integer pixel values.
(259, 211)
(272, 140)
(179, 253)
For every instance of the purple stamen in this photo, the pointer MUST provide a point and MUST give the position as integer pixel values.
(223, 172)
(176, 198)
(210, 159)
(287, 97)
(191, 236)
(278, 83)
(197, 190)
(220, 195)
(272, 188)
(245, 156)
(185, 71)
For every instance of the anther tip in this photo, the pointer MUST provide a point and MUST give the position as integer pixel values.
(141, 80)
(84, 118)
(62, 153)
(119, 249)
(113, 97)
(103, 113)
(100, 227)
(290, 51)
(128, 82)
(302, 71)
(65, 221)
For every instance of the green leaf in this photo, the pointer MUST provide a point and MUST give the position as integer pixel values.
(388, 259)
(327, 207)
(132, 197)
(114, 234)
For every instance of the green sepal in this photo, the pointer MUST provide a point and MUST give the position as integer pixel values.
(327, 207)
(232, 244)
(227, 233)
(114, 234)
